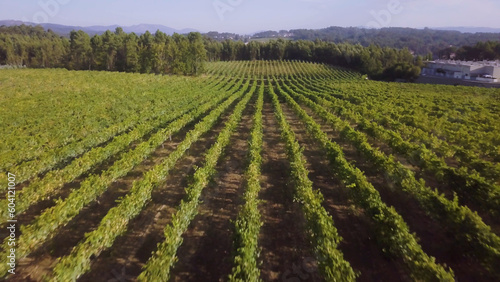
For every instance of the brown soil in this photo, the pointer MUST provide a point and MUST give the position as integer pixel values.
(67, 160)
(35, 210)
(286, 253)
(100, 167)
(206, 252)
(41, 261)
(285, 246)
(432, 182)
(130, 252)
(358, 245)
(63, 192)
(435, 239)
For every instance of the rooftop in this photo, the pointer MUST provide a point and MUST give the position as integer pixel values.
(468, 63)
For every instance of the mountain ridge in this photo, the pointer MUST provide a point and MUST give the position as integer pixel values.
(64, 30)
(469, 29)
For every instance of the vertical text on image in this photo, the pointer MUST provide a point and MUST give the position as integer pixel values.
(11, 227)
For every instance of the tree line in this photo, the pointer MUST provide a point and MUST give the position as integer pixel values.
(420, 41)
(489, 50)
(111, 51)
(377, 62)
(186, 54)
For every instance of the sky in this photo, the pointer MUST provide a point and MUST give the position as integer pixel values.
(249, 16)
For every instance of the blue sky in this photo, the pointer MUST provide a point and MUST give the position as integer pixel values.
(247, 16)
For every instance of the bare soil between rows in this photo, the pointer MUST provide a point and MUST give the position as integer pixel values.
(358, 245)
(286, 254)
(435, 239)
(41, 262)
(207, 250)
(285, 246)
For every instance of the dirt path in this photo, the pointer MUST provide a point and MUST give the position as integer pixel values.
(358, 245)
(206, 252)
(285, 247)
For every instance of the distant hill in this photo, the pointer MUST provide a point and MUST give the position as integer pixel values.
(468, 29)
(419, 41)
(64, 30)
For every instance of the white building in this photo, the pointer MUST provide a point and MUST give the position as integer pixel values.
(485, 71)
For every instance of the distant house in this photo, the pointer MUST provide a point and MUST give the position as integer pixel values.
(485, 71)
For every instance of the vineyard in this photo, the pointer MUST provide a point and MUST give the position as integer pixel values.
(256, 170)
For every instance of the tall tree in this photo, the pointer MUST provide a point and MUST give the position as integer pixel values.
(80, 50)
(146, 53)
(196, 55)
(253, 50)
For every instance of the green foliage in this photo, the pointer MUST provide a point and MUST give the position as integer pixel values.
(67, 128)
(111, 51)
(404, 71)
(400, 242)
(63, 115)
(80, 51)
(116, 221)
(488, 50)
(248, 223)
(421, 41)
(380, 63)
(322, 231)
(44, 227)
(159, 265)
(159, 53)
(42, 188)
(468, 227)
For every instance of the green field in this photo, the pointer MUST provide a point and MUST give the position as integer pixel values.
(256, 170)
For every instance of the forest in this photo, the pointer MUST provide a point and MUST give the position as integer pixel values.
(185, 54)
(112, 51)
(420, 41)
(489, 50)
(376, 62)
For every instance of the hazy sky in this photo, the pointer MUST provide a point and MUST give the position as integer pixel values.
(247, 16)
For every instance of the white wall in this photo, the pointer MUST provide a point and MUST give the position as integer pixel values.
(487, 79)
